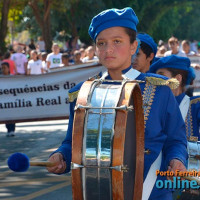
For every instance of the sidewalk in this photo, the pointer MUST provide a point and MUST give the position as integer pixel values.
(37, 140)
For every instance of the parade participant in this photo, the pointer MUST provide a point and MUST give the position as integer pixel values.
(65, 60)
(146, 54)
(20, 60)
(77, 57)
(114, 34)
(90, 55)
(35, 64)
(7, 58)
(10, 126)
(174, 46)
(54, 59)
(179, 68)
(186, 48)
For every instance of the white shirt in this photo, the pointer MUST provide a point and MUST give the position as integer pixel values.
(41, 45)
(20, 59)
(86, 59)
(180, 53)
(54, 59)
(44, 65)
(35, 66)
(191, 53)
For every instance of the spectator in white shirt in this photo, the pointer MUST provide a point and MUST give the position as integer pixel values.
(20, 60)
(174, 46)
(40, 44)
(44, 63)
(54, 59)
(35, 64)
(90, 55)
(186, 48)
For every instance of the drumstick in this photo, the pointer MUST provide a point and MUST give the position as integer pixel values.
(19, 162)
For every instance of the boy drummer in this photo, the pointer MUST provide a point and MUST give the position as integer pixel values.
(114, 33)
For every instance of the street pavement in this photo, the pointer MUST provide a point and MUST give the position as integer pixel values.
(37, 140)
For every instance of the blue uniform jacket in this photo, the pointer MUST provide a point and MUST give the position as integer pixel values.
(164, 127)
(192, 121)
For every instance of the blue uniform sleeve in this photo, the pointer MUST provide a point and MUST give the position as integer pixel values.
(175, 146)
(66, 147)
(198, 123)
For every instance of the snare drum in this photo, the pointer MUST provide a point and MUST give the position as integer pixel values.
(108, 142)
(193, 165)
(194, 156)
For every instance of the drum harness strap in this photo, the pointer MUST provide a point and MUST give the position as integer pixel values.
(184, 106)
(151, 177)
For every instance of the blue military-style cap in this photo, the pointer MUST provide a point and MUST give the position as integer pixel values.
(143, 37)
(173, 61)
(113, 17)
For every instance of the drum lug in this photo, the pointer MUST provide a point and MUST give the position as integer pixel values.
(76, 166)
(123, 107)
(120, 168)
(147, 151)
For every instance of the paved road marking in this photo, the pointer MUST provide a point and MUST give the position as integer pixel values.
(41, 192)
(31, 181)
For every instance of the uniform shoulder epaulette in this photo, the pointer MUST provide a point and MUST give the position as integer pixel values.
(172, 83)
(195, 99)
(97, 76)
(73, 92)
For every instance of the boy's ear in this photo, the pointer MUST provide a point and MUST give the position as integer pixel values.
(179, 78)
(134, 47)
(151, 57)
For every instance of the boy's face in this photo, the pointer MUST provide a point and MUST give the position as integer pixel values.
(55, 49)
(65, 61)
(5, 69)
(186, 48)
(173, 46)
(164, 72)
(33, 55)
(141, 62)
(114, 49)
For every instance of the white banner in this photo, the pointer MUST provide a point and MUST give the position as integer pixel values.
(39, 97)
(195, 60)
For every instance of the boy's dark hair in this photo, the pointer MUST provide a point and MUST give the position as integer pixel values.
(131, 33)
(65, 55)
(147, 50)
(183, 73)
(173, 40)
(5, 63)
(7, 55)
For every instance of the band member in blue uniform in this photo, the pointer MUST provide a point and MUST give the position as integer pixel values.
(146, 53)
(179, 67)
(114, 34)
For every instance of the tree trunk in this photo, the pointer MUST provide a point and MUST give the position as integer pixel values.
(3, 25)
(44, 21)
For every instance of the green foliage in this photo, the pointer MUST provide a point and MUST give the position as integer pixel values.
(190, 23)
(28, 22)
(159, 18)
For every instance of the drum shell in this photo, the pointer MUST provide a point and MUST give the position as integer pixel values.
(128, 134)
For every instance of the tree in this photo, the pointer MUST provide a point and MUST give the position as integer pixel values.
(3, 24)
(42, 16)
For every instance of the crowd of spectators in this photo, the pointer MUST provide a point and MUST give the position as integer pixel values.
(183, 48)
(32, 59)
